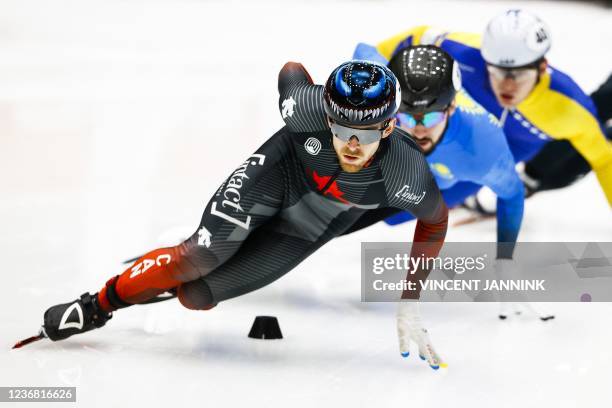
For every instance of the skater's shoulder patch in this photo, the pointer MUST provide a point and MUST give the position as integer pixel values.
(300, 100)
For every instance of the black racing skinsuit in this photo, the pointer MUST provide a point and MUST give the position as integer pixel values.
(290, 197)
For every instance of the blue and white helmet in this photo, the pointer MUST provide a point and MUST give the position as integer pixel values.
(514, 39)
(361, 93)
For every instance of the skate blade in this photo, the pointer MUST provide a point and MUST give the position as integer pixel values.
(29, 340)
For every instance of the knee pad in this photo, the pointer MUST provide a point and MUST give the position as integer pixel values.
(196, 295)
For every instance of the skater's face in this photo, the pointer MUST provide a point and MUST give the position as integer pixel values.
(426, 129)
(353, 155)
(512, 86)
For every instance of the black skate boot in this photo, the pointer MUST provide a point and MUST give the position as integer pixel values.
(79, 316)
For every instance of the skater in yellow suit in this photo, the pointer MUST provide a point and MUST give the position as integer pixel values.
(505, 70)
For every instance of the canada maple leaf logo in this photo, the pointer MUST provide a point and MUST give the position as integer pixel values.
(333, 189)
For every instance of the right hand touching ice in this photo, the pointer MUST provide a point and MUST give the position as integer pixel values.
(410, 328)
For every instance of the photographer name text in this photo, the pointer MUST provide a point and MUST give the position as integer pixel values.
(461, 285)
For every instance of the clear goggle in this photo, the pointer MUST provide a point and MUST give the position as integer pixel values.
(364, 136)
(516, 74)
(429, 119)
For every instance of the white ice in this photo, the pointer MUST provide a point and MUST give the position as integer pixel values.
(118, 119)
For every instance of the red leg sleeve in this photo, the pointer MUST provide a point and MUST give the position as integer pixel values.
(152, 274)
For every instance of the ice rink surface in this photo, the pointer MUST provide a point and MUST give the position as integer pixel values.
(119, 119)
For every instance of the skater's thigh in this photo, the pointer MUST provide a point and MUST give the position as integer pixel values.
(264, 257)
